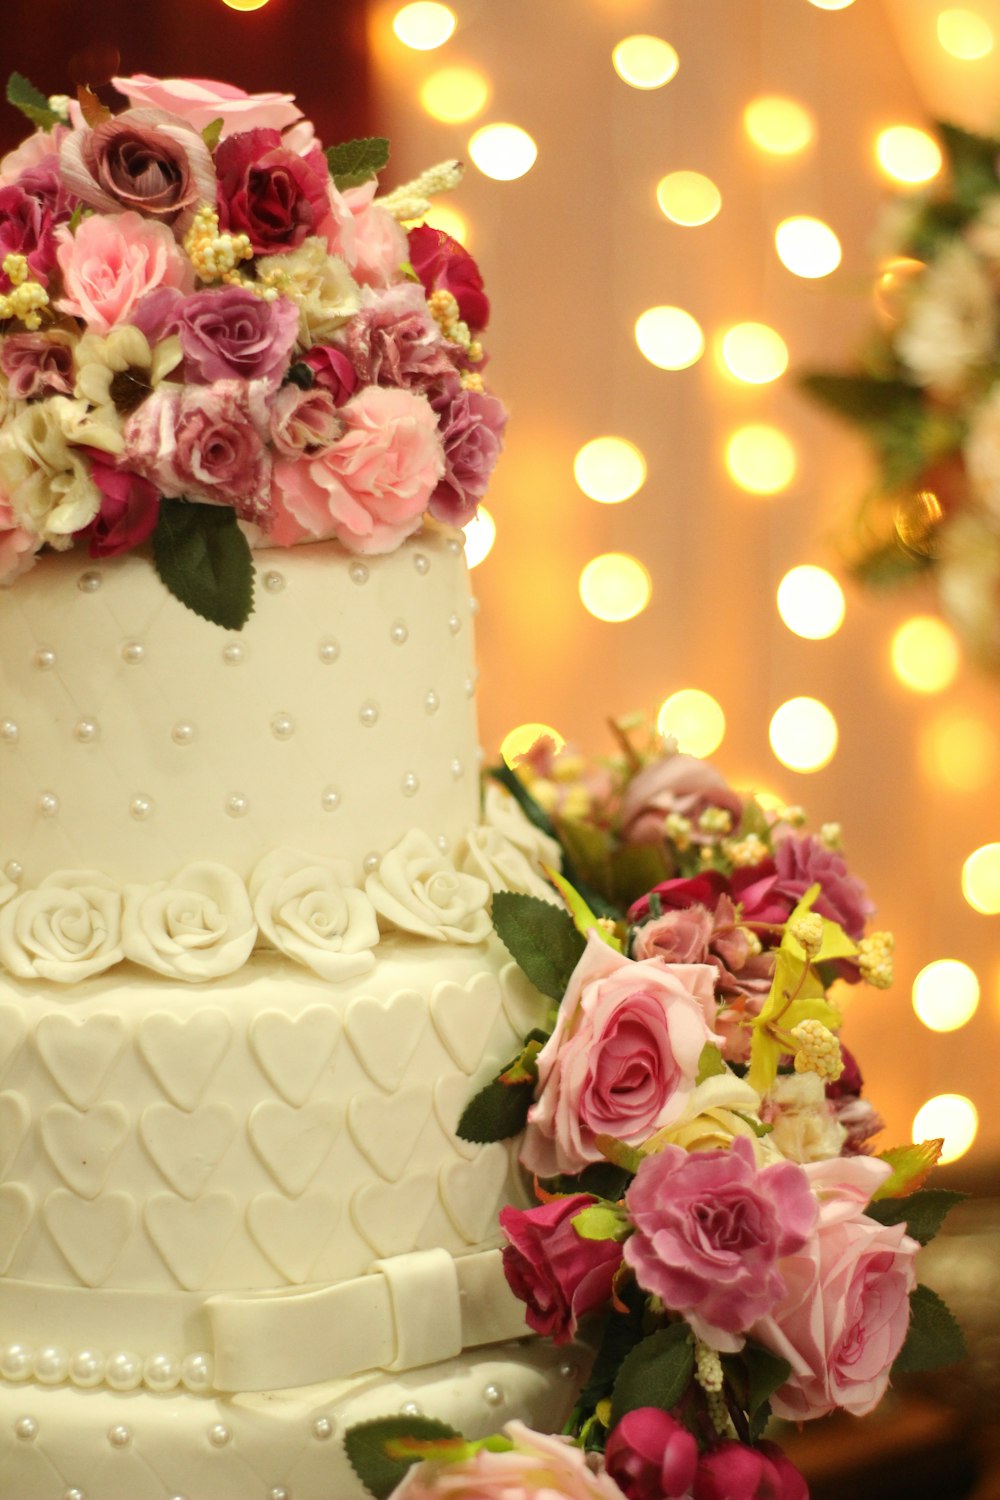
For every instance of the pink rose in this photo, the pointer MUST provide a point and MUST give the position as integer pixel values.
(39, 149)
(272, 194)
(393, 340)
(379, 242)
(650, 1455)
(710, 1231)
(801, 862)
(622, 1059)
(37, 364)
(201, 101)
(559, 1275)
(110, 263)
(142, 160)
(675, 783)
(444, 265)
(537, 1468)
(17, 546)
(230, 333)
(304, 424)
(129, 509)
(332, 370)
(845, 1311)
(733, 1471)
(472, 428)
(26, 228)
(678, 937)
(371, 489)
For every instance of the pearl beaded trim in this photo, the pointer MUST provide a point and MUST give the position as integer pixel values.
(122, 1370)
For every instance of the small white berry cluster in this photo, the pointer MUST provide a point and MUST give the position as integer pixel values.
(817, 1050)
(875, 959)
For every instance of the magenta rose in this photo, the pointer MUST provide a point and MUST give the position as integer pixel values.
(232, 334)
(733, 1471)
(304, 423)
(650, 1455)
(845, 1311)
(710, 1231)
(129, 509)
(538, 1467)
(37, 364)
(444, 265)
(622, 1059)
(703, 889)
(142, 159)
(393, 340)
(472, 428)
(332, 370)
(26, 228)
(675, 783)
(557, 1274)
(270, 193)
(801, 862)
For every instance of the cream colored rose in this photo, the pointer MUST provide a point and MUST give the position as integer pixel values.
(67, 929)
(503, 812)
(803, 1125)
(197, 926)
(44, 476)
(309, 909)
(486, 853)
(719, 1110)
(418, 889)
(319, 284)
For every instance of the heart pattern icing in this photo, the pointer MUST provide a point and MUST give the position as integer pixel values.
(523, 1006)
(451, 1094)
(470, 1191)
(13, 1031)
(293, 1051)
(17, 1207)
(191, 1236)
(463, 1017)
(80, 1054)
(292, 1233)
(385, 1033)
(186, 1147)
(91, 1236)
(294, 1143)
(14, 1121)
(83, 1147)
(386, 1130)
(184, 1054)
(391, 1215)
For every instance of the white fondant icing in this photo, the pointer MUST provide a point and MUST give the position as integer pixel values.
(418, 889)
(187, 1147)
(66, 930)
(293, 1143)
(91, 1236)
(387, 1130)
(83, 1146)
(293, 1051)
(191, 1236)
(464, 1017)
(198, 926)
(451, 1095)
(80, 1054)
(470, 1191)
(13, 1034)
(183, 1053)
(385, 1034)
(17, 1208)
(292, 1231)
(391, 1215)
(15, 1120)
(308, 909)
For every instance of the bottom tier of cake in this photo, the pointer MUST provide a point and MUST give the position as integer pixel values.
(67, 1444)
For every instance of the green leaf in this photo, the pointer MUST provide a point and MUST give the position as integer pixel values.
(204, 559)
(628, 1158)
(31, 102)
(212, 132)
(354, 162)
(622, 1332)
(366, 1445)
(864, 399)
(766, 1372)
(584, 920)
(911, 1166)
(656, 1373)
(635, 869)
(934, 1338)
(922, 1212)
(588, 848)
(540, 937)
(602, 1221)
(534, 813)
(496, 1113)
(972, 161)
(710, 1063)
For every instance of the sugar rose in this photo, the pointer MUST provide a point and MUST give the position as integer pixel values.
(559, 1275)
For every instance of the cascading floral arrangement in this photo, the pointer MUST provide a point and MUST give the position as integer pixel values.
(212, 334)
(711, 1210)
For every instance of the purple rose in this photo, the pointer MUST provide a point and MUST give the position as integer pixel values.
(37, 364)
(558, 1275)
(333, 371)
(26, 228)
(233, 334)
(144, 160)
(129, 509)
(675, 783)
(272, 194)
(733, 1471)
(472, 428)
(710, 1229)
(393, 340)
(650, 1455)
(304, 423)
(801, 862)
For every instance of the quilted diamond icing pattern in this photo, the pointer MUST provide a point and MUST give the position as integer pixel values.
(292, 1233)
(13, 1032)
(463, 1017)
(470, 1191)
(187, 1146)
(80, 1055)
(82, 1146)
(17, 1207)
(391, 1216)
(184, 1054)
(191, 1236)
(14, 1121)
(385, 1033)
(292, 1052)
(91, 1236)
(294, 1143)
(386, 1130)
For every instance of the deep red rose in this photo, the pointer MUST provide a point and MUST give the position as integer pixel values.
(129, 508)
(650, 1455)
(558, 1274)
(697, 890)
(444, 265)
(269, 193)
(332, 370)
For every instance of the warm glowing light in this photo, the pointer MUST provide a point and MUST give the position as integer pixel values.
(454, 94)
(615, 587)
(245, 4)
(760, 459)
(442, 216)
(896, 280)
(754, 353)
(609, 469)
(695, 720)
(981, 879)
(423, 25)
(480, 534)
(965, 34)
(669, 337)
(520, 740)
(961, 751)
(952, 1117)
(908, 155)
(811, 602)
(503, 152)
(778, 125)
(645, 62)
(831, 4)
(925, 654)
(803, 734)
(945, 994)
(688, 198)
(807, 247)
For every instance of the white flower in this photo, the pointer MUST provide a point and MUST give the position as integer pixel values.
(804, 1125)
(418, 889)
(320, 285)
(951, 325)
(502, 811)
(309, 909)
(123, 351)
(717, 1110)
(68, 929)
(198, 926)
(486, 853)
(45, 478)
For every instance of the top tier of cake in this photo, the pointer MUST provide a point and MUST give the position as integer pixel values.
(135, 737)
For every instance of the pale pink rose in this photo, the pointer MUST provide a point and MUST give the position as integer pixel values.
(673, 784)
(304, 424)
(371, 489)
(17, 546)
(200, 101)
(622, 1059)
(393, 340)
(42, 146)
(110, 263)
(380, 243)
(537, 1468)
(677, 937)
(846, 1310)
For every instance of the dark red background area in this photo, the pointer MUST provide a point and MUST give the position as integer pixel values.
(315, 49)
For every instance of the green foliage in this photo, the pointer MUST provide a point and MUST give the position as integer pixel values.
(366, 1449)
(923, 1212)
(541, 938)
(496, 1113)
(204, 560)
(657, 1372)
(934, 1338)
(602, 1221)
(622, 1332)
(866, 400)
(972, 161)
(911, 1165)
(212, 133)
(354, 162)
(31, 102)
(710, 1063)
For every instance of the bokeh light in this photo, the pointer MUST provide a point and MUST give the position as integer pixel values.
(760, 459)
(503, 152)
(807, 247)
(778, 125)
(960, 751)
(424, 25)
(454, 95)
(945, 994)
(520, 740)
(442, 216)
(688, 198)
(896, 280)
(907, 154)
(480, 534)
(951, 1117)
(965, 34)
(245, 4)
(615, 587)
(669, 337)
(645, 62)
(811, 602)
(695, 719)
(754, 353)
(831, 4)
(609, 469)
(924, 654)
(981, 879)
(803, 734)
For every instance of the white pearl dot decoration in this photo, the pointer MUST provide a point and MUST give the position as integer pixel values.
(45, 658)
(453, 546)
(274, 581)
(73, 1494)
(184, 732)
(279, 1492)
(123, 1371)
(237, 806)
(329, 650)
(161, 1373)
(493, 1395)
(432, 702)
(399, 634)
(48, 804)
(133, 652)
(370, 863)
(119, 1436)
(50, 1366)
(457, 770)
(359, 572)
(13, 870)
(330, 799)
(282, 726)
(454, 624)
(421, 563)
(323, 1429)
(469, 687)
(368, 714)
(233, 654)
(86, 1369)
(26, 1428)
(86, 731)
(9, 732)
(15, 1362)
(410, 784)
(219, 1435)
(411, 1409)
(89, 582)
(196, 1372)
(442, 843)
(140, 808)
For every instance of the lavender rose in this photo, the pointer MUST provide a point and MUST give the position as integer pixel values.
(393, 340)
(230, 333)
(558, 1275)
(142, 159)
(650, 1455)
(472, 428)
(674, 784)
(801, 862)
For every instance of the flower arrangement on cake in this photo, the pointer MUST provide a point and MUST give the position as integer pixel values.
(711, 1209)
(213, 333)
(927, 399)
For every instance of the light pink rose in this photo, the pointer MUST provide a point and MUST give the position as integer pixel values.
(622, 1059)
(42, 146)
(537, 1468)
(371, 489)
(304, 423)
(110, 263)
(676, 937)
(202, 100)
(845, 1312)
(380, 243)
(674, 784)
(17, 546)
